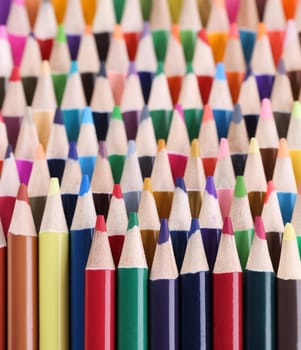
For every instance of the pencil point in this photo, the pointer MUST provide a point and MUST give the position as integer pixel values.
(3, 32)
(248, 73)
(54, 187)
(132, 69)
(146, 30)
(237, 114)
(266, 109)
(283, 151)
(131, 148)
(102, 149)
(15, 74)
(240, 187)
(60, 35)
(270, 189)
(164, 232)
(144, 114)
(102, 71)
(195, 226)
(133, 220)
(58, 117)
(180, 184)
(227, 227)
(175, 32)
(84, 185)
(8, 152)
(223, 150)
(117, 193)
(220, 72)
(161, 145)
(261, 32)
(195, 149)
(160, 68)
(117, 34)
(289, 232)
(233, 32)
(22, 194)
(88, 30)
(100, 224)
(208, 114)
(281, 67)
(210, 187)
(296, 110)
(73, 68)
(259, 228)
(203, 36)
(116, 114)
(45, 67)
(179, 109)
(87, 117)
(253, 146)
(147, 184)
(72, 154)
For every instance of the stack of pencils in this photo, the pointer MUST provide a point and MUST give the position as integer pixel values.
(150, 174)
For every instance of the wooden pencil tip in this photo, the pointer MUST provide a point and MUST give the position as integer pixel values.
(161, 145)
(117, 193)
(100, 224)
(133, 220)
(253, 146)
(164, 232)
(266, 109)
(15, 74)
(270, 190)
(283, 151)
(195, 148)
(54, 187)
(147, 184)
(40, 154)
(228, 227)
(22, 193)
(289, 232)
(259, 228)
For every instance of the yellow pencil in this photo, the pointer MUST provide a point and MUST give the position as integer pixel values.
(53, 274)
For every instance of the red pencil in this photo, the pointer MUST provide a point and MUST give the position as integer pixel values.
(100, 292)
(227, 293)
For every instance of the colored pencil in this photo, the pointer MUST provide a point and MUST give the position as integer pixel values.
(163, 185)
(53, 273)
(44, 104)
(205, 72)
(255, 179)
(57, 146)
(267, 137)
(293, 140)
(160, 104)
(179, 221)
(149, 223)
(296, 219)
(224, 178)
(190, 100)
(286, 190)
(73, 102)
(291, 55)
(178, 143)
(74, 23)
(174, 64)
(194, 179)
(6, 61)
(116, 228)
(262, 63)
(3, 269)
(249, 102)
(164, 294)
(281, 100)
(241, 216)
(220, 101)
(26, 146)
(87, 145)
(238, 141)
(9, 184)
(18, 27)
(45, 28)
(116, 143)
(208, 141)
(131, 181)
(131, 28)
(195, 293)
(60, 63)
(88, 68)
(288, 291)
(102, 181)
(132, 298)
(146, 62)
(70, 186)
(132, 102)
(100, 284)
(102, 104)
(30, 67)
(103, 26)
(211, 221)
(81, 233)
(272, 219)
(146, 143)
(227, 293)
(38, 185)
(22, 276)
(260, 294)
(13, 106)
(234, 62)
(117, 63)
